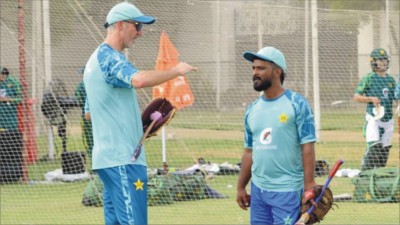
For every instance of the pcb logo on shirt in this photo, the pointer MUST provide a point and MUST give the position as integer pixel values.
(385, 93)
(265, 136)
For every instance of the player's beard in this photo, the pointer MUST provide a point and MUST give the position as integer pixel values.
(260, 84)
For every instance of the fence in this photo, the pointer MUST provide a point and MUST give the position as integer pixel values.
(327, 51)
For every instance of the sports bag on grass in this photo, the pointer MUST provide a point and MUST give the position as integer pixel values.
(93, 193)
(188, 187)
(164, 189)
(377, 185)
(158, 190)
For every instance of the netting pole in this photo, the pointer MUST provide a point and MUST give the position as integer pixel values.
(22, 74)
(260, 32)
(47, 64)
(218, 57)
(317, 112)
(306, 46)
(387, 21)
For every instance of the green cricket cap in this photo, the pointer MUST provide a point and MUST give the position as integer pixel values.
(378, 53)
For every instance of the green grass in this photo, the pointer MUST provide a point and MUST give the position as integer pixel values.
(60, 203)
(334, 121)
(46, 204)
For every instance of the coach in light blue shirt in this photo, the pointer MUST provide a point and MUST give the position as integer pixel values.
(279, 155)
(111, 82)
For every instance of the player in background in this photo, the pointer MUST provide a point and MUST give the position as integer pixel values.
(111, 82)
(377, 89)
(10, 98)
(86, 125)
(279, 155)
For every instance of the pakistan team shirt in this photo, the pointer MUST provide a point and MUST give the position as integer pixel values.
(10, 88)
(275, 129)
(373, 85)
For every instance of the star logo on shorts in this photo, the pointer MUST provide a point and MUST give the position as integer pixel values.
(288, 220)
(138, 184)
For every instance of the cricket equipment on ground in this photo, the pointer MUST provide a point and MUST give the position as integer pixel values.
(55, 105)
(324, 200)
(161, 105)
(11, 154)
(56, 102)
(377, 185)
(93, 193)
(321, 168)
(378, 53)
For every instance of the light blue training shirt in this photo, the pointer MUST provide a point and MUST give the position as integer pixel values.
(114, 108)
(274, 131)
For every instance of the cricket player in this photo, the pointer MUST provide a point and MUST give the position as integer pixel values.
(377, 90)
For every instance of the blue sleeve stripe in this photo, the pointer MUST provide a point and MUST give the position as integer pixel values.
(118, 72)
(304, 118)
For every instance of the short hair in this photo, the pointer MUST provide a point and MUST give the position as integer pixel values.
(282, 74)
(111, 27)
(4, 71)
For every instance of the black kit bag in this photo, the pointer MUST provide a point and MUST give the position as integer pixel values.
(10, 156)
(321, 168)
(73, 162)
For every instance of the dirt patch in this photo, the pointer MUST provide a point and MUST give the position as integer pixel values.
(203, 134)
(338, 136)
(326, 136)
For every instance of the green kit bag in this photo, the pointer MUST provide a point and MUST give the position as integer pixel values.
(158, 190)
(165, 189)
(188, 187)
(93, 193)
(377, 185)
